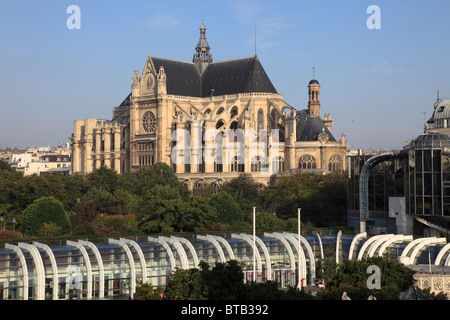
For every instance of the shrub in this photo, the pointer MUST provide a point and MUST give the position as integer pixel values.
(44, 210)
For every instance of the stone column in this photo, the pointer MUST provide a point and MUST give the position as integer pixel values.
(196, 145)
(117, 149)
(209, 161)
(107, 147)
(98, 142)
(180, 147)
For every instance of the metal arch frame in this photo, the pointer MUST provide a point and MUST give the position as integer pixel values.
(447, 262)
(312, 261)
(366, 246)
(190, 247)
(23, 262)
(226, 245)
(352, 249)
(441, 255)
(87, 261)
(319, 240)
(338, 245)
(101, 269)
(142, 261)
(364, 184)
(247, 239)
(422, 244)
(214, 242)
(51, 256)
(268, 263)
(39, 266)
(286, 245)
(376, 245)
(300, 252)
(127, 251)
(392, 240)
(167, 248)
(404, 257)
(267, 258)
(178, 246)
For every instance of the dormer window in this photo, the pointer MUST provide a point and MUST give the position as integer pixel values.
(441, 109)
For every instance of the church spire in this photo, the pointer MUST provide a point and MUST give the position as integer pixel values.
(202, 57)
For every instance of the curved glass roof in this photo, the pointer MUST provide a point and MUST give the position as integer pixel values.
(431, 139)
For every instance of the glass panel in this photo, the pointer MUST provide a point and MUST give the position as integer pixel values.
(427, 205)
(418, 160)
(426, 160)
(428, 183)
(436, 160)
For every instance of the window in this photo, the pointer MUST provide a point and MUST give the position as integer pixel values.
(149, 121)
(277, 164)
(257, 164)
(334, 164)
(218, 166)
(237, 165)
(307, 162)
(260, 120)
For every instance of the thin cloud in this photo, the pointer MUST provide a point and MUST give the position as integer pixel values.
(165, 21)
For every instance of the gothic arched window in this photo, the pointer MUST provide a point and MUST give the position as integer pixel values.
(307, 162)
(237, 165)
(260, 120)
(334, 164)
(277, 164)
(257, 164)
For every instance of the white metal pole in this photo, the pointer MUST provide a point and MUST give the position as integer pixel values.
(254, 246)
(429, 259)
(299, 275)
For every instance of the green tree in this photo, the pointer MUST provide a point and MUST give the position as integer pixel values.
(351, 277)
(185, 285)
(245, 191)
(44, 210)
(146, 178)
(228, 210)
(322, 198)
(103, 178)
(145, 291)
(224, 281)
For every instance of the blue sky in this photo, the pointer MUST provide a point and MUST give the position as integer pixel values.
(377, 84)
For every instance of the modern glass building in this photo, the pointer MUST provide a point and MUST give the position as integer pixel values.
(112, 269)
(420, 173)
(428, 175)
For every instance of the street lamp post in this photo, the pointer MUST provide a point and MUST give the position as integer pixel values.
(1, 220)
(14, 223)
(299, 286)
(254, 247)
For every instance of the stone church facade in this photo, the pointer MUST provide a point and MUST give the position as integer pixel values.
(210, 121)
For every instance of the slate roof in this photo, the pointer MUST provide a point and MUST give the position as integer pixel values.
(183, 78)
(309, 128)
(241, 75)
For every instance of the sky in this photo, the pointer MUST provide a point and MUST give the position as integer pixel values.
(378, 83)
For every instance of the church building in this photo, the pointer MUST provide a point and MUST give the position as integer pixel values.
(210, 121)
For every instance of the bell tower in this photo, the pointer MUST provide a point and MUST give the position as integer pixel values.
(202, 57)
(314, 97)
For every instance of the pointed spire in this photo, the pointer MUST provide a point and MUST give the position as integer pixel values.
(202, 57)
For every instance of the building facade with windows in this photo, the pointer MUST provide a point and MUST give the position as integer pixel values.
(209, 121)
